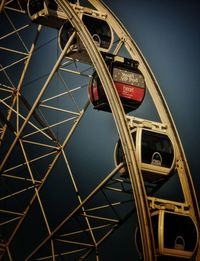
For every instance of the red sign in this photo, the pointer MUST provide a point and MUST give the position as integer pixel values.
(130, 91)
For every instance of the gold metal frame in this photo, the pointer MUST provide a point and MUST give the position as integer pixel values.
(55, 149)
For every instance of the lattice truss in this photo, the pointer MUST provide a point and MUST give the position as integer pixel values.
(61, 193)
(43, 103)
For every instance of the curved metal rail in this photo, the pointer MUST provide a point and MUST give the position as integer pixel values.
(159, 102)
(122, 124)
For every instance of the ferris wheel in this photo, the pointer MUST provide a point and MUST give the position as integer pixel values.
(71, 79)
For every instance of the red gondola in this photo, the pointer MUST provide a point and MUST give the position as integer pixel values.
(129, 82)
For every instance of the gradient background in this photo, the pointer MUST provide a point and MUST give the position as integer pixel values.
(168, 34)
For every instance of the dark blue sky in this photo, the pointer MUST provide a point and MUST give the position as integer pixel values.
(168, 34)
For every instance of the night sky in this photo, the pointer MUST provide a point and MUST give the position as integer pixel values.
(168, 34)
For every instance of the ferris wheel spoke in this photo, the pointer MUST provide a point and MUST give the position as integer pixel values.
(53, 146)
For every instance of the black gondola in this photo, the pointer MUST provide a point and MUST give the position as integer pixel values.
(46, 12)
(154, 152)
(100, 31)
(128, 80)
(175, 235)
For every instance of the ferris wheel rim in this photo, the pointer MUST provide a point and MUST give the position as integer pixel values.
(117, 104)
